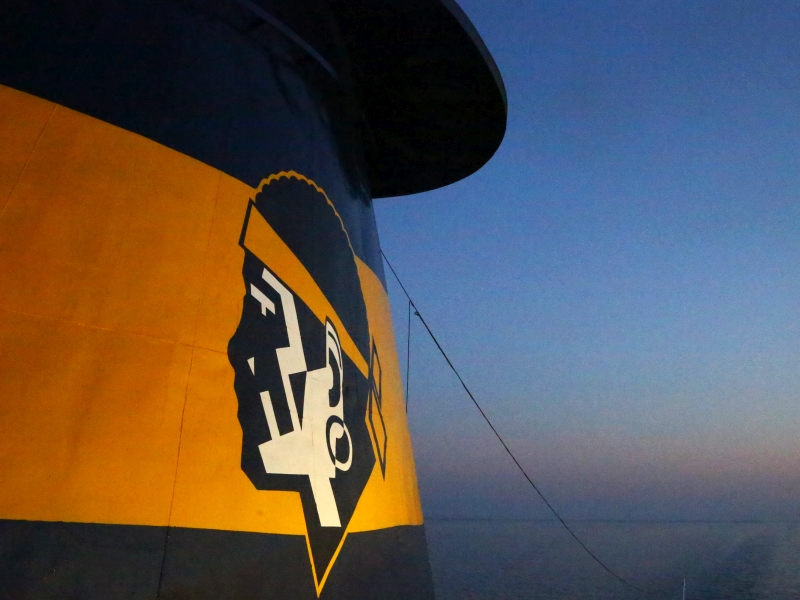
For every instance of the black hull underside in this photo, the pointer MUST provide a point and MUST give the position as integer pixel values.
(86, 561)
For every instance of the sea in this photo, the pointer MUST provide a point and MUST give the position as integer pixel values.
(538, 560)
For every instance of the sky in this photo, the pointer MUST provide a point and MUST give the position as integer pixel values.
(620, 285)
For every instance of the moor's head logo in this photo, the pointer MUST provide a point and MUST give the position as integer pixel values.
(304, 362)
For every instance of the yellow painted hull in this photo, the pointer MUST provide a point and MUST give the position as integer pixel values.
(120, 262)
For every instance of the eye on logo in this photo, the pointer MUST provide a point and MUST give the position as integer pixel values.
(307, 377)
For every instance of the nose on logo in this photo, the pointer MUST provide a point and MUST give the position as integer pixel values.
(307, 377)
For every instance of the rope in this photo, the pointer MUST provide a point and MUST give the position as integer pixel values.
(500, 439)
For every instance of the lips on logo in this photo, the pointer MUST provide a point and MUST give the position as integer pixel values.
(306, 372)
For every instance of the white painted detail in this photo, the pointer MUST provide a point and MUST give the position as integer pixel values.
(291, 359)
(266, 303)
(309, 449)
(336, 431)
(252, 362)
(269, 412)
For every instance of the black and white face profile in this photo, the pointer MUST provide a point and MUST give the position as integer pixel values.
(300, 357)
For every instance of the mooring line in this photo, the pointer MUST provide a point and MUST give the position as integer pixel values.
(499, 437)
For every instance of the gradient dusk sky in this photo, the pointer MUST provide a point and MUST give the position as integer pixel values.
(620, 284)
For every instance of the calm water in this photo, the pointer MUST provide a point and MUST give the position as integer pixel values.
(495, 560)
